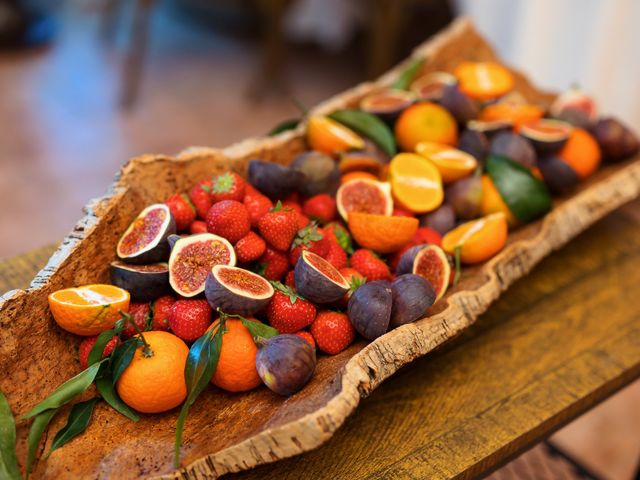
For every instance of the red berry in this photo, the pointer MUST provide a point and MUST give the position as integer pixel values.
(332, 332)
(273, 264)
(162, 312)
(307, 336)
(200, 196)
(320, 207)
(288, 312)
(141, 314)
(87, 344)
(190, 318)
(182, 210)
(229, 219)
(370, 266)
(250, 247)
(400, 212)
(279, 227)
(308, 238)
(257, 205)
(426, 235)
(198, 226)
(336, 256)
(292, 205)
(302, 220)
(289, 280)
(228, 186)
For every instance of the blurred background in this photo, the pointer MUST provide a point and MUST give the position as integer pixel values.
(87, 84)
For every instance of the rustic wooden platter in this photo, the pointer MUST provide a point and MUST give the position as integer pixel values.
(231, 432)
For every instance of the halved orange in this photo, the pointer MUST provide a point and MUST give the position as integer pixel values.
(517, 113)
(483, 80)
(328, 136)
(357, 174)
(452, 163)
(478, 240)
(416, 182)
(90, 309)
(381, 233)
(492, 201)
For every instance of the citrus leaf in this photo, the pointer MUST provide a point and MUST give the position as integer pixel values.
(368, 125)
(408, 74)
(8, 459)
(95, 354)
(65, 392)
(260, 330)
(38, 427)
(283, 126)
(104, 384)
(122, 357)
(77, 422)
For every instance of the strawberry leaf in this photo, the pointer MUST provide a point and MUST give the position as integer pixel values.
(224, 183)
(77, 422)
(8, 458)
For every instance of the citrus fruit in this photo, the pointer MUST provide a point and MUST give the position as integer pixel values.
(517, 113)
(479, 239)
(452, 163)
(90, 309)
(355, 175)
(492, 201)
(581, 152)
(328, 136)
(416, 182)
(364, 195)
(154, 383)
(425, 122)
(483, 80)
(381, 233)
(236, 370)
(360, 161)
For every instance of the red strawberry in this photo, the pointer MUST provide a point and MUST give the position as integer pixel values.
(292, 205)
(198, 226)
(141, 314)
(307, 336)
(341, 235)
(273, 264)
(279, 227)
(293, 197)
(426, 235)
(289, 280)
(228, 186)
(229, 219)
(190, 318)
(182, 210)
(320, 207)
(87, 344)
(162, 312)
(308, 238)
(302, 220)
(354, 279)
(257, 205)
(332, 331)
(250, 247)
(336, 256)
(370, 266)
(200, 196)
(400, 212)
(288, 312)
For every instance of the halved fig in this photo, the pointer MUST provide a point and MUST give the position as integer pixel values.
(364, 195)
(430, 262)
(387, 104)
(547, 136)
(193, 257)
(412, 296)
(490, 128)
(145, 239)
(318, 280)
(323, 175)
(236, 290)
(143, 282)
(360, 161)
(575, 107)
(515, 147)
(369, 309)
(274, 180)
(429, 87)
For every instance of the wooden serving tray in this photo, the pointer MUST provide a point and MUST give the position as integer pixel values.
(231, 432)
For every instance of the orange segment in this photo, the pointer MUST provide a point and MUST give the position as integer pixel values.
(479, 240)
(90, 309)
(381, 233)
(492, 201)
(425, 122)
(483, 80)
(452, 163)
(416, 183)
(328, 136)
(581, 152)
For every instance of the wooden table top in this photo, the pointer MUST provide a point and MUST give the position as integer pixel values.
(559, 341)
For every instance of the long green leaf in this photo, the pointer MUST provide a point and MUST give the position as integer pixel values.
(95, 355)
(104, 384)
(284, 126)
(122, 357)
(38, 427)
(368, 125)
(8, 460)
(259, 330)
(408, 74)
(78, 421)
(65, 392)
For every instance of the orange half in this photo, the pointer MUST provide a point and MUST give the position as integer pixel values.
(483, 80)
(478, 240)
(452, 163)
(416, 183)
(382, 233)
(328, 136)
(492, 201)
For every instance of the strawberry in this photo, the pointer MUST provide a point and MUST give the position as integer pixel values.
(336, 256)
(320, 207)
(141, 314)
(182, 210)
(354, 279)
(288, 312)
(87, 344)
(161, 311)
(302, 220)
(273, 264)
(307, 336)
(200, 196)
(290, 280)
(400, 212)
(250, 247)
(229, 219)
(341, 235)
(190, 318)
(332, 332)
(198, 226)
(257, 205)
(293, 197)
(279, 227)
(369, 265)
(309, 238)
(292, 205)
(228, 186)
(426, 235)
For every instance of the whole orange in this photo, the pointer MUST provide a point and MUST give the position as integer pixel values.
(425, 122)
(581, 152)
(155, 383)
(236, 371)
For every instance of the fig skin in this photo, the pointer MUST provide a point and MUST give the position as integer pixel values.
(514, 147)
(219, 296)
(321, 171)
(442, 219)
(474, 143)
(462, 107)
(616, 140)
(286, 363)
(369, 309)
(314, 286)
(405, 265)
(388, 114)
(465, 196)
(558, 175)
(142, 286)
(274, 180)
(412, 295)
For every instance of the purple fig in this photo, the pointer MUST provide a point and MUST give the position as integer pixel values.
(286, 363)
(514, 147)
(442, 219)
(145, 240)
(474, 142)
(616, 140)
(412, 296)
(236, 290)
(143, 282)
(557, 174)
(323, 175)
(369, 309)
(547, 136)
(274, 180)
(405, 265)
(462, 107)
(317, 280)
(465, 196)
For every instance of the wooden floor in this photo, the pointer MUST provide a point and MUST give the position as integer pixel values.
(62, 137)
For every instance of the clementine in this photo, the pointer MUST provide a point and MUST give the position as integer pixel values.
(483, 80)
(581, 152)
(381, 233)
(328, 136)
(425, 122)
(416, 182)
(478, 240)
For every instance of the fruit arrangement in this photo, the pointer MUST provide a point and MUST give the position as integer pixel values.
(242, 282)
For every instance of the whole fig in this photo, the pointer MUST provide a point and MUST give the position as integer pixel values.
(286, 363)
(616, 140)
(369, 309)
(412, 296)
(465, 196)
(441, 219)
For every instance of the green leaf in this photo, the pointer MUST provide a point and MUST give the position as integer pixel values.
(198, 371)
(259, 330)
(65, 392)
(289, 124)
(368, 125)
(8, 460)
(408, 74)
(38, 427)
(344, 240)
(526, 196)
(78, 421)
(122, 357)
(95, 355)
(104, 384)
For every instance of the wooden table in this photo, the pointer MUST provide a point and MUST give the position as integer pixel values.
(558, 342)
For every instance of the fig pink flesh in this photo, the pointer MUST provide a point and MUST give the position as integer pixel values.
(363, 197)
(324, 267)
(429, 265)
(194, 262)
(144, 230)
(243, 280)
(154, 267)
